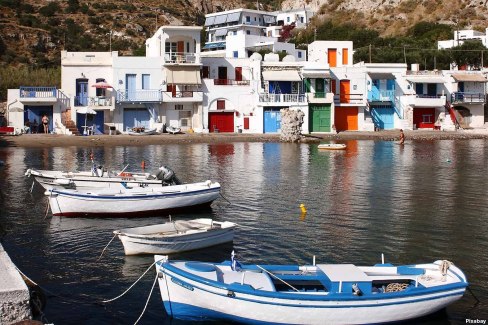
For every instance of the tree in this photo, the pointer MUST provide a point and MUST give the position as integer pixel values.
(468, 54)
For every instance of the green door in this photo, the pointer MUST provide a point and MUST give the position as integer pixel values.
(319, 118)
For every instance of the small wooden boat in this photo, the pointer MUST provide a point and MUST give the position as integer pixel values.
(309, 294)
(99, 177)
(173, 130)
(175, 236)
(332, 146)
(131, 202)
(140, 130)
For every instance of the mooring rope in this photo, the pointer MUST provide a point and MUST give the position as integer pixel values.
(103, 251)
(395, 287)
(47, 208)
(133, 284)
(148, 298)
(222, 195)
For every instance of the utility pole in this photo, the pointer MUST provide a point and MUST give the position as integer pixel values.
(110, 42)
(404, 55)
(369, 53)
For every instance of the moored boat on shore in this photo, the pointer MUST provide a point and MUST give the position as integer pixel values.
(310, 294)
(332, 146)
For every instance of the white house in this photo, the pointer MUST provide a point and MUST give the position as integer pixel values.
(463, 35)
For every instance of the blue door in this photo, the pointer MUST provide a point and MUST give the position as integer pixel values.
(130, 86)
(272, 120)
(136, 117)
(374, 94)
(81, 98)
(384, 117)
(35, 113)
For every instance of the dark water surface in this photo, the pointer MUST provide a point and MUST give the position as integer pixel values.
(417, 203)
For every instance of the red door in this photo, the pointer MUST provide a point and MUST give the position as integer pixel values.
(424, 117)
(238, 73)
(223, 122)
(346, 118)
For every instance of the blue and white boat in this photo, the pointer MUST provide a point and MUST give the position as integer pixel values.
(310, 294)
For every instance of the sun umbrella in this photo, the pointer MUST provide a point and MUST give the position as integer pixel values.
(102, 85)
(86, 110)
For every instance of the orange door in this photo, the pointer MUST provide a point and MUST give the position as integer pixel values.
(345, 55)
(345, 91)
(346, 118)
(332, 57)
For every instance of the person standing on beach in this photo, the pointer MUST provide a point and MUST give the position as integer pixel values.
(402, 137)
(45, 123)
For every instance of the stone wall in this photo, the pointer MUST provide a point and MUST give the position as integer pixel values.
(291, 125)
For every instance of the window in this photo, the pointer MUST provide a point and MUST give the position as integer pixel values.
(301, 20)
(221, 104)
(254, 18)
(205, 72)
(299, 54)
(187, 47)
(100, 91)
(146, 81)
(248, 19)
(235, 54)
(427, 118)
(185, 118)
(234, 32)
(287, 19)
(248, 32)
(178, 107)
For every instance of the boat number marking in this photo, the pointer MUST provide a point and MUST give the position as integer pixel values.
(183, 284)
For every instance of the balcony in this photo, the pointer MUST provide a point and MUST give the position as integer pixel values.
(282, 98)
(186, 96)
(230, 82)
(96, 101)
(349, 99)
(180, 57)
(381, 95)
(38, 94)
(467, 98)
(141, 96)
(429, 101)
(321, 97)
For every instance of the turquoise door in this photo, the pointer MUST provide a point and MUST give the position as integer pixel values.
(383, 117)
(130, 86)
(272, 120)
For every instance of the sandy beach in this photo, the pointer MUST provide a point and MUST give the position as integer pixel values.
(54, 140)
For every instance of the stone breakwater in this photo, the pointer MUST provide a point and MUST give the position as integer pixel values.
(14, 294)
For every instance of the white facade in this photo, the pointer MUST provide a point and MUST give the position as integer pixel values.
(464, 35)
(299, 17)
(333, 53)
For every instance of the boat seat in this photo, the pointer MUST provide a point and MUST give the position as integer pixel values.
(257, 280)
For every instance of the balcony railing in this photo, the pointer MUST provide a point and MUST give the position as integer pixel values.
(282, 98)
(38, 92)
(381, 96)
(349, 98)
(429, 100)
(230, 82)
(145, 95)
(182, 94)
(180, 57)
(463, 97)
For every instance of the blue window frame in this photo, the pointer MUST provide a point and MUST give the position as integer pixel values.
(235, 54)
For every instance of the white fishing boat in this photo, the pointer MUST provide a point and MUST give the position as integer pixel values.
(175, 236)
(310, 294)
(99, 177)
(332, 146)
(143, 201)
(140, 130)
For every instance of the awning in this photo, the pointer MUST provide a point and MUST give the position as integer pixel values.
(233, 17)
(281, 75)
(209, 20)
(462, 77)
(220, 19)
(221, 32)
(381, 75)
(269, 19)
(316, 74)
(184, 76)
(214, 45)
(426, 80)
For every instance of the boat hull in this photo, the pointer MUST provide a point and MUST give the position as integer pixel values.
(131, 203)
(332, 146)
(201, 300)
(170, 245)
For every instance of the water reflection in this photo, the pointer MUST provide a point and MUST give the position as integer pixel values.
(414, 203)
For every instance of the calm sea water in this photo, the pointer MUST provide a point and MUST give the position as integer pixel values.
(417, 203)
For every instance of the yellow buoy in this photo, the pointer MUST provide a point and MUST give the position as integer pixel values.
(302, 207)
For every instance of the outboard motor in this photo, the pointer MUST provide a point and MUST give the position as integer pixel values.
(167, 175)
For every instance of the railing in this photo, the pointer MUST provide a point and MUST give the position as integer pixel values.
(398, 106)
(139, 96)
(452, 114)
(180, 57)
(462, 97)
(82, 100)
(183, 94)
(230, 82)
(281, 98)
(37, 92)
(348, 98)
(381, 95)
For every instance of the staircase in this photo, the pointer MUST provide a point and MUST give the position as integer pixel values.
(67, 123)
(71, 127)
